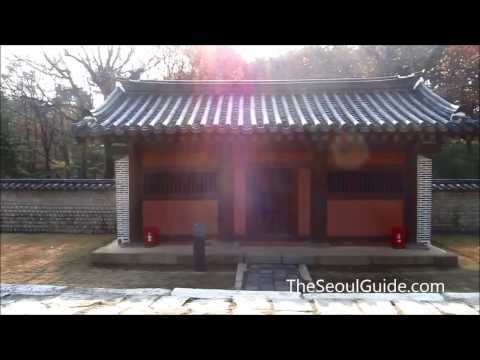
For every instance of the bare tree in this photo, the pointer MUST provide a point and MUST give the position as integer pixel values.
(38, 111)
(104, 66)
(174, 62)
(69, 102)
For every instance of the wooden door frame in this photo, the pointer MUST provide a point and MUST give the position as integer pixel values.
(293, 213)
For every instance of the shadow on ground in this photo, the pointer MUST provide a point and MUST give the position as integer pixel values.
(63, 259)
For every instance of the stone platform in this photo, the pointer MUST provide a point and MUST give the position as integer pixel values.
(221, 253)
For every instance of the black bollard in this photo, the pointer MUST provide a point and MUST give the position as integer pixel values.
(199, 234)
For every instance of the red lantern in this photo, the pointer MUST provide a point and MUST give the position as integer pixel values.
(150, 234)
(397, 239)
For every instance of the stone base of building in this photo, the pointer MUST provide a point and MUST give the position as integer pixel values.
(218, 253)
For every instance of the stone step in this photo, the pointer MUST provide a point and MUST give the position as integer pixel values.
(269, 277)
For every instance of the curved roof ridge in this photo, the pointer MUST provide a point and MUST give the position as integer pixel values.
(256, 81)
(278, 85)
(117, 91)
(127, 82)
(434, 97)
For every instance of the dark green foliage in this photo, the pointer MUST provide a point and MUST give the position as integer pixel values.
(451, 70)
(7, 144)
(457, 160)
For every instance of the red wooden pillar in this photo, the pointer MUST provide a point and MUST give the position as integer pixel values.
(225, 178)
(319, 196)
(239, 189)
(410, 194)
(304, 202)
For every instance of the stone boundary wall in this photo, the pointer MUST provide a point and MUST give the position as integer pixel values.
(456, 211)
(89, 208)
(82, 211)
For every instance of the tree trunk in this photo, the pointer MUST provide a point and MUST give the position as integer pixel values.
(108, 173)
(83, 161)
(47, 162)
(47, 149)
(66, 157)
(33, 165)
(65, 150)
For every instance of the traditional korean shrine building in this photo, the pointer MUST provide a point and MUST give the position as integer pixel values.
(338, 160)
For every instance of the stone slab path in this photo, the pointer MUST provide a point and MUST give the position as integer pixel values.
(57, 300)
(271, 277)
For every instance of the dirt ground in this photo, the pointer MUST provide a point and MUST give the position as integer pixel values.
(62, 259)
(465, 278)
(454, 280)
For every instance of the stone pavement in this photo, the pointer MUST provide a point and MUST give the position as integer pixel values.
(57, 300)
(270, 277)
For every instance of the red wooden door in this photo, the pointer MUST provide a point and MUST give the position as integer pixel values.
(271, 203)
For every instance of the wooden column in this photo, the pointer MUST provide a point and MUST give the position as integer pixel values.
(240, 167)
(136, 191)
(304, 203)
(225, 191)
(319, 196)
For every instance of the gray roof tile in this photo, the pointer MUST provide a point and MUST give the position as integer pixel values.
(456, 184)
(389, 103)
(57, 184)
(107, 184)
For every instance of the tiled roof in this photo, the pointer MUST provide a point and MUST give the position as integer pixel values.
(107, 184)
(375, 104)
(57, 184)
(456, 184)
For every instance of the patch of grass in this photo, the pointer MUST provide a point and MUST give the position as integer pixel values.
(448, 239)
(466, 246)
